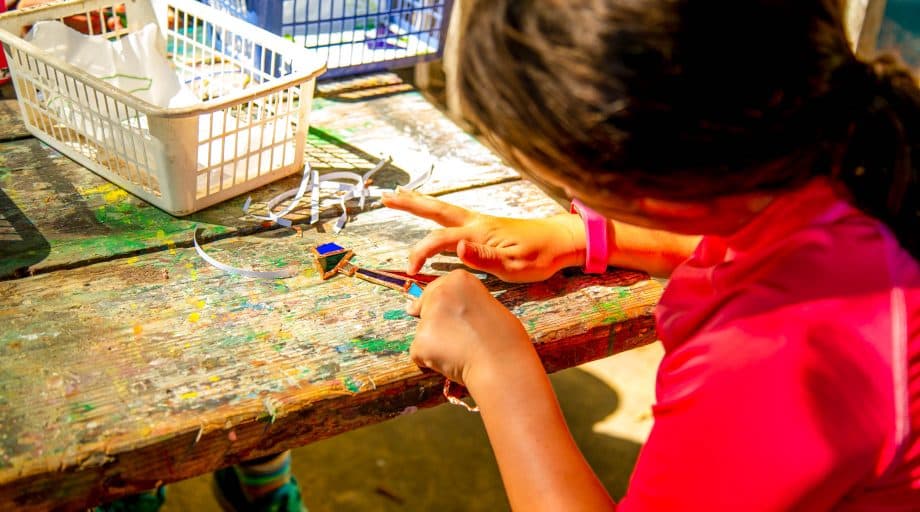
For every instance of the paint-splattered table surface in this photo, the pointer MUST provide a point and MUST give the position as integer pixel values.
(126, 361)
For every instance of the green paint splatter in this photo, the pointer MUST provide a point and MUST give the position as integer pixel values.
(239, 339)
(127, 215)
(80, 408)
(395, 314)
(613, 311)
(319, 104)
(378, 346)
(326, 135)
(352, 385)
(622, 292)
(131, 228)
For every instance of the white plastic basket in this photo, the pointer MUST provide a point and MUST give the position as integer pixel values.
(179, 159)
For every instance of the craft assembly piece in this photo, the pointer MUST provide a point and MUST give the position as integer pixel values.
(404, 284)
(331, 259)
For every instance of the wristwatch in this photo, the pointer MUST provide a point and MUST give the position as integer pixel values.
(595, 238)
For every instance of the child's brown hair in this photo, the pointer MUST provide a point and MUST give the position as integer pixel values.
(683, 99)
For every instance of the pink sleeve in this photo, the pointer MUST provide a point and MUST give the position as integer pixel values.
(748, 422)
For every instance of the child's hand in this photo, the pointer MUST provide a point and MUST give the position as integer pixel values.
(464, 333)
(514, 250)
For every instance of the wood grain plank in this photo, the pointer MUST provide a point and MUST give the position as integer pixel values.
(58, 214)
(119, 376)
(417, 135)
(11, 127)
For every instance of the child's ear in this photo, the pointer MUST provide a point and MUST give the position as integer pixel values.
(674, 209)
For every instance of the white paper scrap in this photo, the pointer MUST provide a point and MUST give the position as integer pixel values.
(259, 274)
(330, 184)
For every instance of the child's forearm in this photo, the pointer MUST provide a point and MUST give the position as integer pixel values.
(540, 464)
(654, 251)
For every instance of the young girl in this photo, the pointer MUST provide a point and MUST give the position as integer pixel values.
(791, 378)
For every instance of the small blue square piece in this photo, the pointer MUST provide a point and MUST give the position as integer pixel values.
(327, 248)
(415, 290)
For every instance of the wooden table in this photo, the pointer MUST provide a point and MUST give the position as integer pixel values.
(127, 362)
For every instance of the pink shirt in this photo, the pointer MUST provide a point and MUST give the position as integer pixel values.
(791, 376)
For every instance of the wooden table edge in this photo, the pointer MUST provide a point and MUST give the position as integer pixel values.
(102, 476)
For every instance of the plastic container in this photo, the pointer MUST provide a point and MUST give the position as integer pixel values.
(353, 36)
(244, 135)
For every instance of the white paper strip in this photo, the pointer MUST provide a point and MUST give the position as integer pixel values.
(297, 193)
(314, 199)
(367, 176)
(420, 180)
(267, 274)
(328, 183)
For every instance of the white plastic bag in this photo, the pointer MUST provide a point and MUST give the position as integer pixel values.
(131, 63)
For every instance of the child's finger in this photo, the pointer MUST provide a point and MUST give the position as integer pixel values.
(417, 307)
(436, 242)
(445, 214)
(414, 307)
(478, 256)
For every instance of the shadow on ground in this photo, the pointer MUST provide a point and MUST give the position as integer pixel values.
(437, 459)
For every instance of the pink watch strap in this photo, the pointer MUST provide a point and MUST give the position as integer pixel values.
(595, 238)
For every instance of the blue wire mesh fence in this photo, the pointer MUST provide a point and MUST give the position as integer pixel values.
(353, 36)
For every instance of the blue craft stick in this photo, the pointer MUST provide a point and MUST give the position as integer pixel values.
(327, 248)
(396, 280)
(415, 290)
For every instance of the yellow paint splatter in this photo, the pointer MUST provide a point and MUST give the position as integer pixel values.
(200, 304)
(110, 192)
(194, 317)
(192, 272)
(161, 235)
(133, 259)
(138, 329)
(213, 378)
(189, 395)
